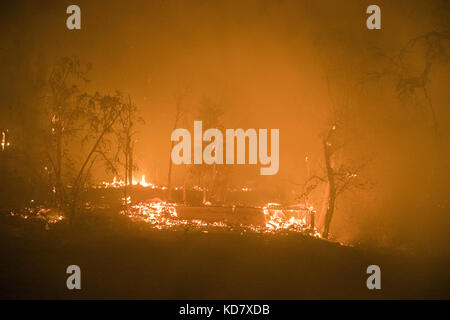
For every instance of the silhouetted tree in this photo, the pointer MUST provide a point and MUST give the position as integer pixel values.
(179, 97)
(126, 133)
(338, 176)
(102, 115)
(341, 172)
(64, 110)
(413, 81)
(210, 112)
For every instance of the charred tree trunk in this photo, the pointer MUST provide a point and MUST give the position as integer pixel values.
(58, 171)
(130, 164)
(184, 184)
(175, 125)
(125, 189)
(128, 169)
(169, 175)
(213, 193)
(332, 190)
(205, 198)
(59, 187)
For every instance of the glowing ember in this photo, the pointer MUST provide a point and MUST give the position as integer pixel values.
(144, 183)
(126, 200)
(164, 216)
(118, 183)
(114, 184)
(4, 144)
(49, 216)
(157, 213)
(278, 218)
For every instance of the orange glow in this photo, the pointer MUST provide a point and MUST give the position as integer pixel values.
(119, 183)
(162, 215)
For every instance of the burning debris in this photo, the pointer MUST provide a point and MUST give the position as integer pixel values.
(47, 215)
(162, 215)
(278, 218)
(118, 183)
(270, 218)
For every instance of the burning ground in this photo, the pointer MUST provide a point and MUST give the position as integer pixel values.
(160, 215)
(158, 250)
(151, 249)
(121, 258)
(268, 219)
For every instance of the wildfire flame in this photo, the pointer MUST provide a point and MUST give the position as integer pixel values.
(278, 218)
(119, 183)
(4, 144)
(143, 182)
(163, 215)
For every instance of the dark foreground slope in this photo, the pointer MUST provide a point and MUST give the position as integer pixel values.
(121, 259)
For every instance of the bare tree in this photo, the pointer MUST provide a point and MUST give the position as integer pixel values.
(410, 80)
(102, 114)
(126, 138)
(210, 112)
(179, 97)
(89, 122)
(63, 111)
(342, 171)
(339, 177)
